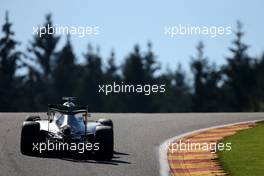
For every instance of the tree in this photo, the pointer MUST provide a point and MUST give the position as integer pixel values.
(111, 69)
(177, 96)
(134, 73)
(65, 73)
(150, 64)
(133, 68)
(206, 78)
(42, 50)
(239, 72)
(258, 94)
(92, 77)
(181, 91)
(112, 102)
(9, 58)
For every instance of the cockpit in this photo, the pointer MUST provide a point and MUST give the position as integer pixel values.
(75, 122)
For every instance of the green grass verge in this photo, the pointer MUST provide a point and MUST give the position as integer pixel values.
(246, 158)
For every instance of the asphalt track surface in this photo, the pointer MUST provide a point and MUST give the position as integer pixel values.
(137, 138)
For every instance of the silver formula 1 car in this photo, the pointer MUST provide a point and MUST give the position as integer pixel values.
(66, 127)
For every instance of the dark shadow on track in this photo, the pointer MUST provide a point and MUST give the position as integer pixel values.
(116, 160)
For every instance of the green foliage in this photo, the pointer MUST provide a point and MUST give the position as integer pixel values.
(240, 71)
(41, 54)
(9, 58)
(138, 69)
(65, 72)
(53, 72)
(206, 80)
(246, 156)
(92, 76)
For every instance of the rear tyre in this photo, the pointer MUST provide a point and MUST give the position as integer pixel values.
(106, 122)
(104, 136)
(29, 135)
(32, 118)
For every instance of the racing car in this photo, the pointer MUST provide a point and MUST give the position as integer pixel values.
(68, 124)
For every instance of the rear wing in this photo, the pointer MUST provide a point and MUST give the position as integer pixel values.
(67, 110)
